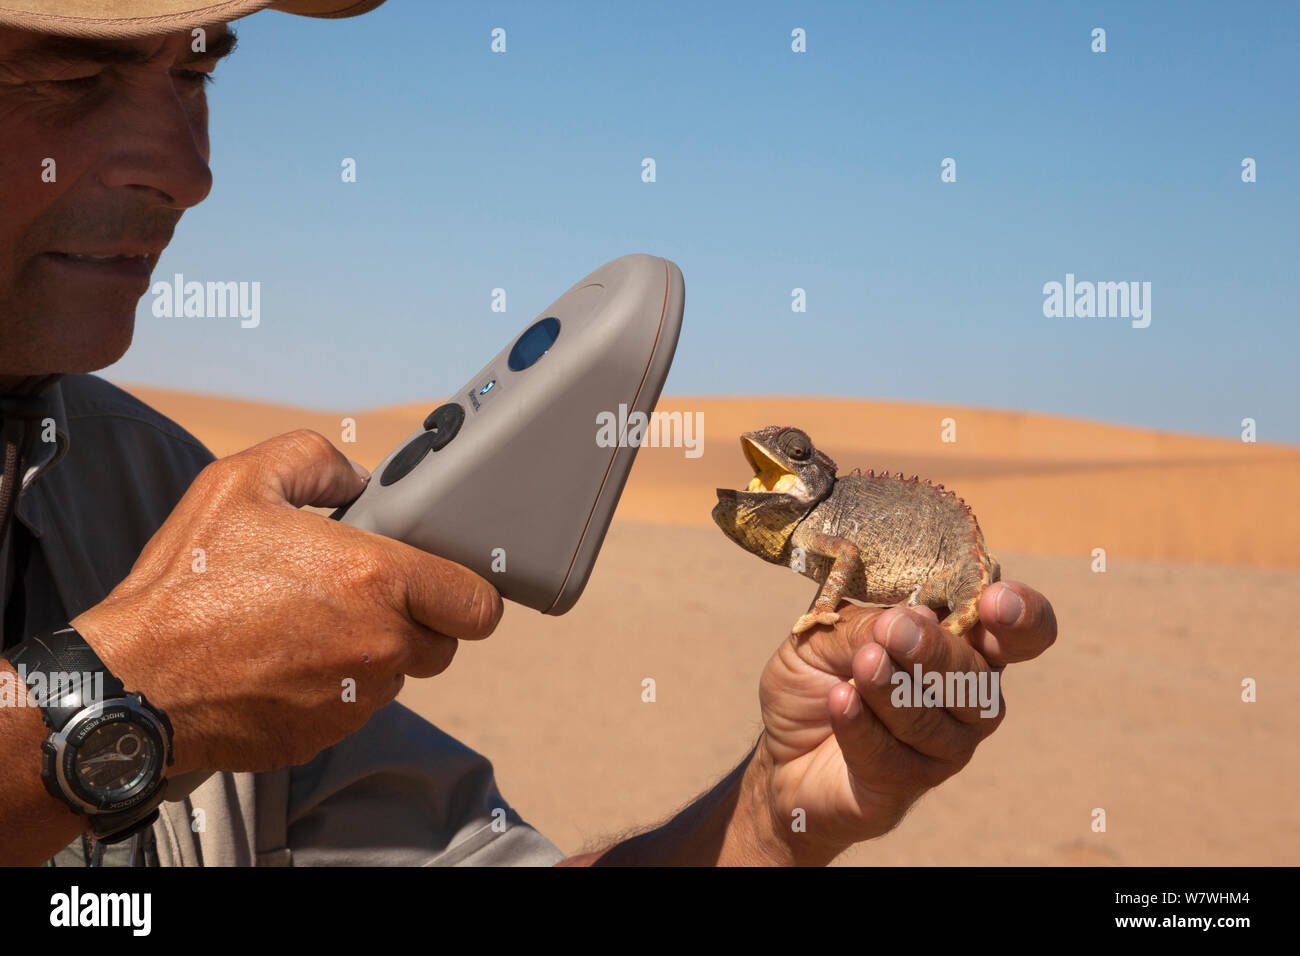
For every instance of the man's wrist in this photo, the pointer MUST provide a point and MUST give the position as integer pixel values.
(762, 837)
(92, 719)
(35, 823)
(734, 824)
(756, 835)
(108, 629)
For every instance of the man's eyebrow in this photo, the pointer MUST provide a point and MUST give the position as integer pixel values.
(76, 51)
(223, 46)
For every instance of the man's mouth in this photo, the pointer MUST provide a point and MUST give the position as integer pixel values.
(133, 266)
(69, 255)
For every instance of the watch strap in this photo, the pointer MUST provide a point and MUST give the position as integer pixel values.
(56, 656)
(113, 827)
(75, 677)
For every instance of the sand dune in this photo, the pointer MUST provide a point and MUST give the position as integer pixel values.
(1136, 710)
(1039, 483)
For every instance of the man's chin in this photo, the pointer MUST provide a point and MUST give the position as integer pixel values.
(92, 345)
(106, 356)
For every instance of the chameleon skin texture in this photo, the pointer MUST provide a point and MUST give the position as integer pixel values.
(876, 538)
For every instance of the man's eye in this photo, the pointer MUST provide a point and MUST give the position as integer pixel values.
(84, 84)
(78, 84)
(197, 77)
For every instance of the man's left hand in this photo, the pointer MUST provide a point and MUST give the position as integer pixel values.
(838, 764)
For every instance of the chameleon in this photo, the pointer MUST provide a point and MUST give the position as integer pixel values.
(877, 538)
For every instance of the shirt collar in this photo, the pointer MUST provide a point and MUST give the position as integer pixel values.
(45, 454)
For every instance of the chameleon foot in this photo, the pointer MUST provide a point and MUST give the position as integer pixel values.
(810, 619)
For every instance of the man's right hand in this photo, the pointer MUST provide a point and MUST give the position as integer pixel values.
(244, 617)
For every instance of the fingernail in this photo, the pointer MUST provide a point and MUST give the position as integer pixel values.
(1009, 606)
(880, 676)
(362, 473)
(854, 706)
(903, 635)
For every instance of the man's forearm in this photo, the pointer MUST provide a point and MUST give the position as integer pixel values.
(35, 826)
(731, 825)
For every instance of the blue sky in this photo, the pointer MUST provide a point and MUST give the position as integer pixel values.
(775, 170)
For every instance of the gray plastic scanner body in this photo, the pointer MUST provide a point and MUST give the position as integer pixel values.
(508, 477)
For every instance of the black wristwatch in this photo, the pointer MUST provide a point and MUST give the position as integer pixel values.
(107, 750)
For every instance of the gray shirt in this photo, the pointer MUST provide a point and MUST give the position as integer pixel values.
(397, 792)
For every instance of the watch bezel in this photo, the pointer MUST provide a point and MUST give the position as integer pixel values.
(64, 746)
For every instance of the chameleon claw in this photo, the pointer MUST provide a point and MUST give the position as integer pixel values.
(810, 620)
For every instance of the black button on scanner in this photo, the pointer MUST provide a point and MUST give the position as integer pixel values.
(440, 427)
(405, 460)
(443, 423)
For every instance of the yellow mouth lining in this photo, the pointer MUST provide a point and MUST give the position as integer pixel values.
(770, 474)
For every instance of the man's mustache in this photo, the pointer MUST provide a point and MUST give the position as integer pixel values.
(146, 230)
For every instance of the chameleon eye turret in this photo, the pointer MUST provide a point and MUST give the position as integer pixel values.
(796, 444)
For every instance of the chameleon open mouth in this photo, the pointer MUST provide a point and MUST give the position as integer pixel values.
(770, 474)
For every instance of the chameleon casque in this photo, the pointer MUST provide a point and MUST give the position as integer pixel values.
(877, 538)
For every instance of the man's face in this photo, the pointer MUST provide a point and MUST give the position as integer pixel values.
(103, 144)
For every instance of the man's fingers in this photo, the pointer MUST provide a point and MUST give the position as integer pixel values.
(926, 612)
(873, 755)
(429, 654)
(445, 597)
(1019, 624)
(302, 468)
(913, 637)
(831, 649)
(889, 689)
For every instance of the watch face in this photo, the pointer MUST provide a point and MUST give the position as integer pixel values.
(114, 759)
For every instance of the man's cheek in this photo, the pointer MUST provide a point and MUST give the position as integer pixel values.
(23, 154)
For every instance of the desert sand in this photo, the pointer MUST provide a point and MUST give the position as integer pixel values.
(1137, 709)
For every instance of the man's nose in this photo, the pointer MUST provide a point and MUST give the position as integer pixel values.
(160, 143)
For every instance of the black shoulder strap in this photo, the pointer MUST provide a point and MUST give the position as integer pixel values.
(17, 413)
(14, 625)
